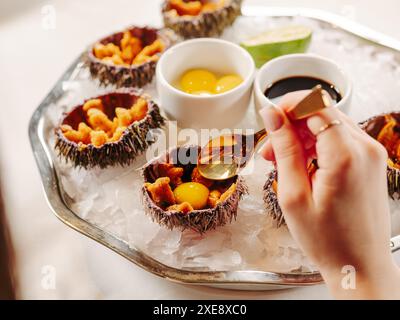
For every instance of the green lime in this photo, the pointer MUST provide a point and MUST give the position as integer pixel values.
(278, 42)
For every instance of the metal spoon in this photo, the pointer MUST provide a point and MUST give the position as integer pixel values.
(223, 157)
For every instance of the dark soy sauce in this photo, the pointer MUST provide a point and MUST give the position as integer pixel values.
(278, 89)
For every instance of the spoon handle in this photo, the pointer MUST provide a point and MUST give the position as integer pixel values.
(258, 136)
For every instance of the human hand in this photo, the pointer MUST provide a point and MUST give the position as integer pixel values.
(340, 216)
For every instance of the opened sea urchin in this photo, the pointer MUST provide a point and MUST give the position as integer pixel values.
(175, 195)
(205, 18)
(385, 129)
(107, 130)
(128, 58)
(270, 194)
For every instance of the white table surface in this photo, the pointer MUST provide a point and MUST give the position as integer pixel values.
(32, 58)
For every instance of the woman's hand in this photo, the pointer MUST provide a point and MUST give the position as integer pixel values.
(340, 217)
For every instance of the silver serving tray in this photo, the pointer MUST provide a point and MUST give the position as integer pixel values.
(243, 280)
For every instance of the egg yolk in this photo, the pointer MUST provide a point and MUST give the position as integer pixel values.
(228, 82)
(204, 82)
(193, 192)
(198, 82)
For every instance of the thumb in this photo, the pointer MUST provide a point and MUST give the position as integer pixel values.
(294, 189)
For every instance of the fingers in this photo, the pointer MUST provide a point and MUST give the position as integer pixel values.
(306, 138)
(335, 143)
(267, 152)
(294, 190)
(361, 136)
(291, 99)
(350, 123)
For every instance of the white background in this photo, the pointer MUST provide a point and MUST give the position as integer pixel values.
(31, 61)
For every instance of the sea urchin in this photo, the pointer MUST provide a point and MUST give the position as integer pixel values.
(107, 130)
(176, 196)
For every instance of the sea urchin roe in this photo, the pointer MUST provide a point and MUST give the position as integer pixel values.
(213, 198)
(123, 116)
(98, 137)
(93, 104)
(99, 128)
(192, 192)
(184, 207)
(149, 53)
(173, 173)
(139, 110)
(129, 51)
(389, 137)
(177, 189)
(130, 46)
(161, 192)
(204, 82)
(98, 120)
(193, 8)
(81, 135)
(117, 134)
(102, 51)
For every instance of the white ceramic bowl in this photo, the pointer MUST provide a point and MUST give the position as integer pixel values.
(302, 65)
(215, 111)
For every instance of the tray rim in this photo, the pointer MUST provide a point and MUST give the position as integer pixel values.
(240, 279)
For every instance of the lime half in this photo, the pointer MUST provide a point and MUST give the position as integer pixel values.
(278, 42)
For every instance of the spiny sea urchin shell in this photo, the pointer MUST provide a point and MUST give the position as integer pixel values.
(206, 23)
(271, 199)
(198, 220)
(134, 140)
(132, 75)
(386, 128)
(270, 196)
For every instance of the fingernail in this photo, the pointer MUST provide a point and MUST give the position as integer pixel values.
(272, 118)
